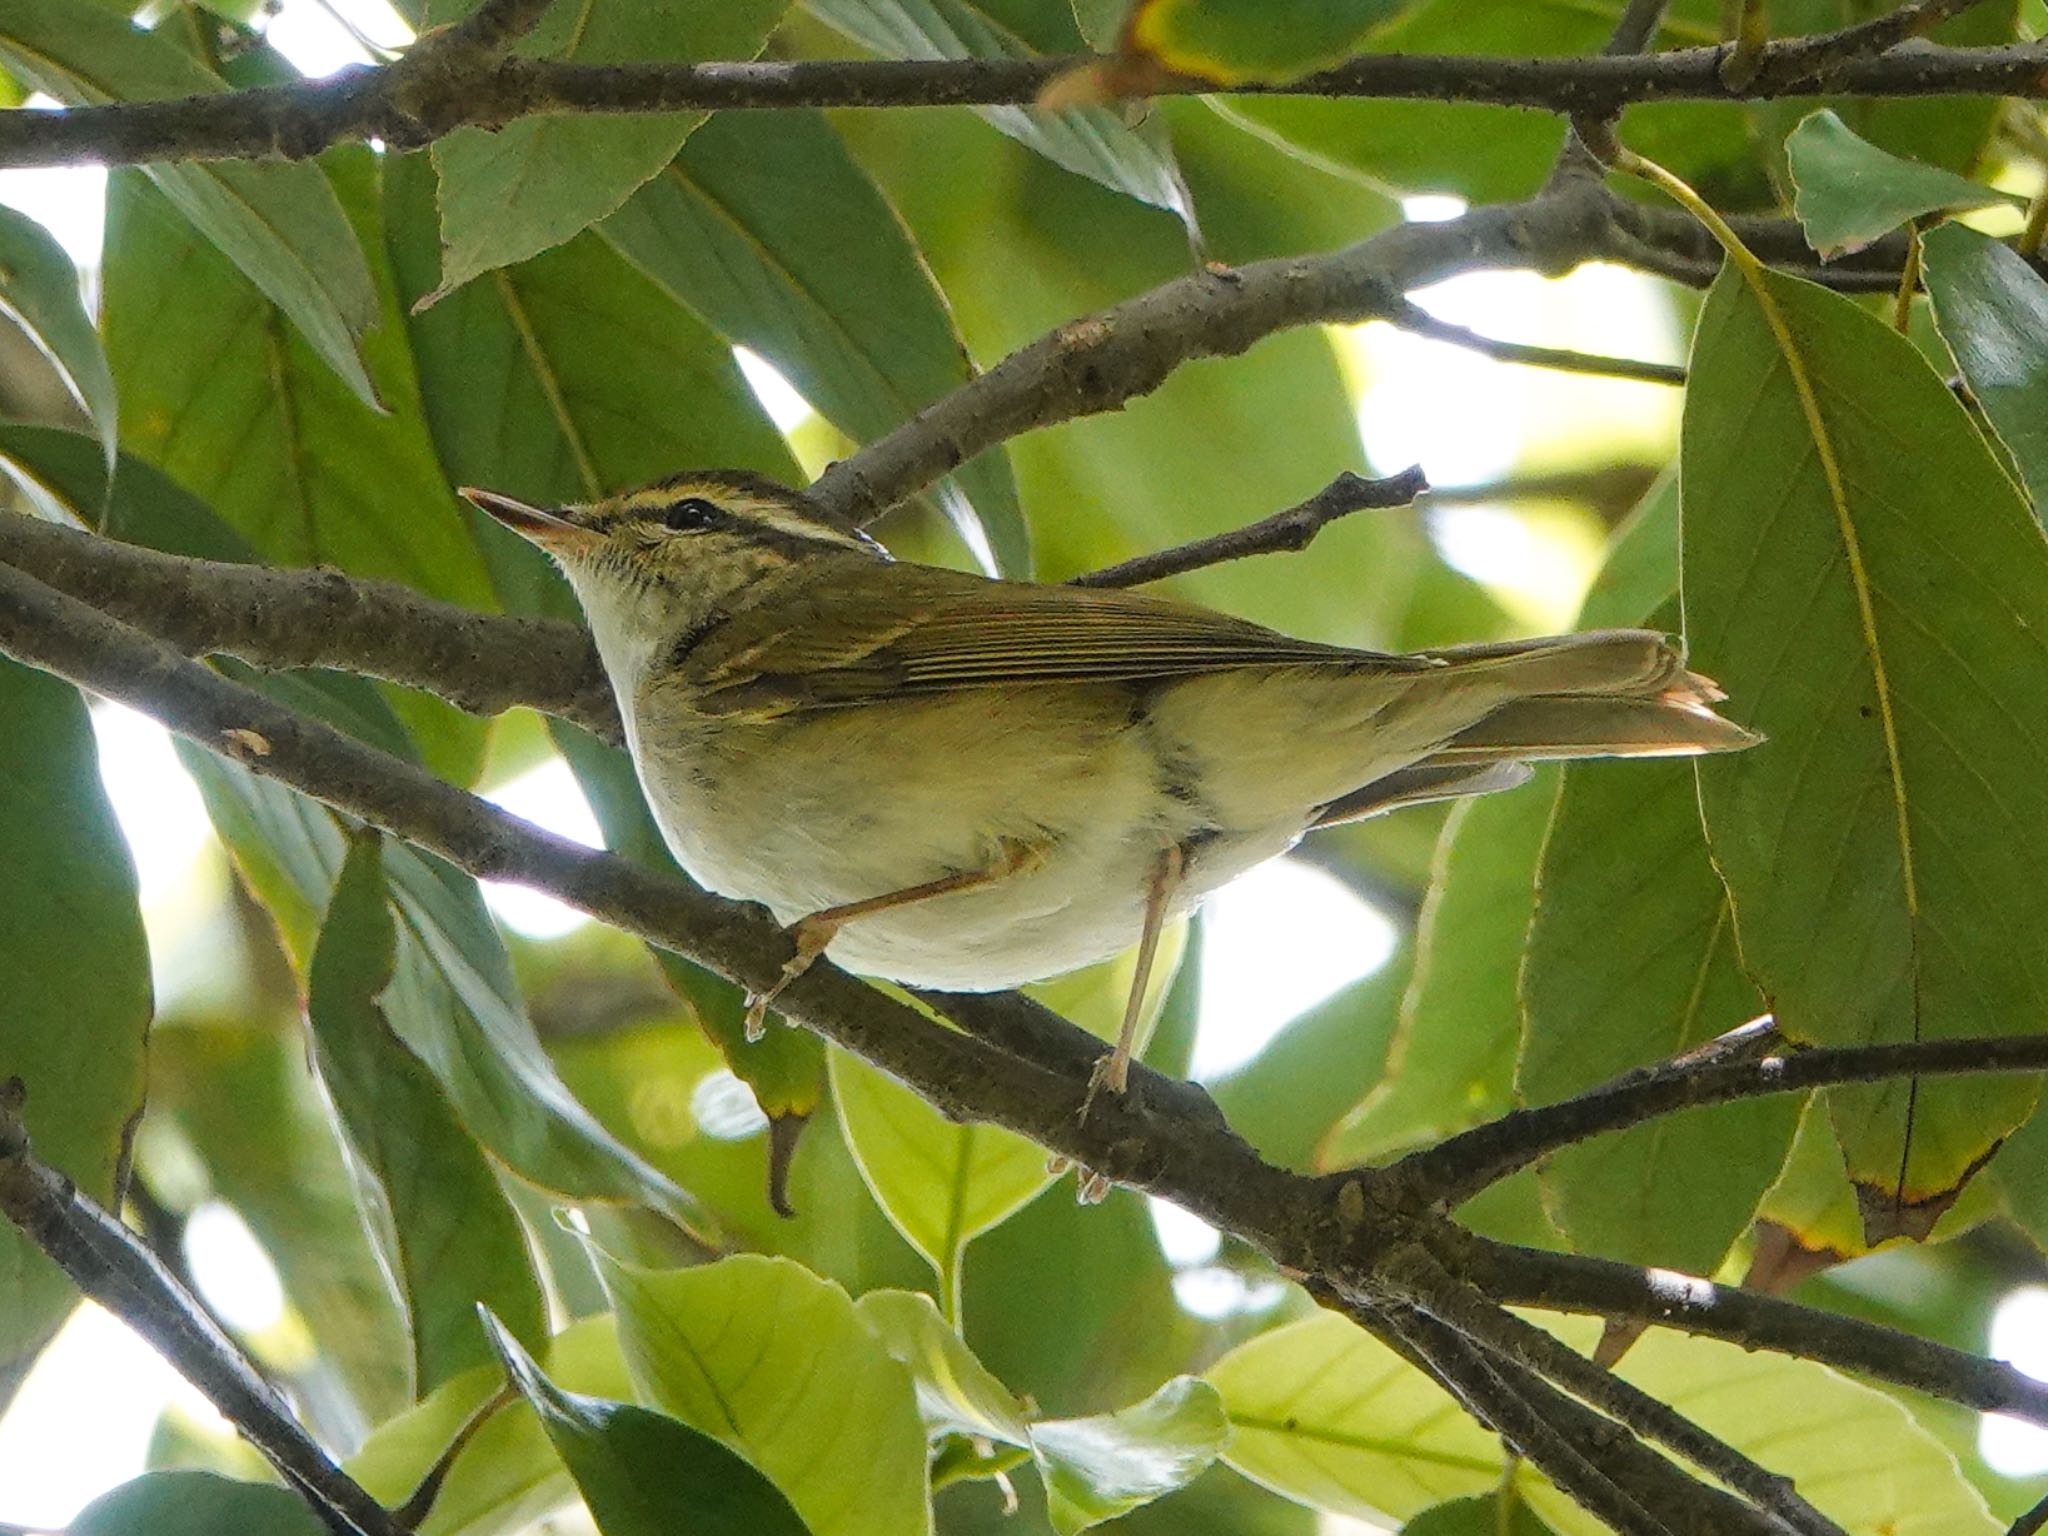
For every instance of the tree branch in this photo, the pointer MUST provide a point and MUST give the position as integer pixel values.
(1412, 317)
(418, 99)
(1292, 529)
(1562, 1282)
(282, 617)
(114, 1267)
(1736, 1067)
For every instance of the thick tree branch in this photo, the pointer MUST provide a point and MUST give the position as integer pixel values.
(283, 617)
(1737, 1067)
(408, 103)
(115, 1268)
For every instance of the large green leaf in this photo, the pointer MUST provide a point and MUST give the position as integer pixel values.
(1873, 594)
(508, 1475)
(643, 1473)
(1851, 193)
(766, 1357)
(196, 1504)
(564, 378)
(1325, 1414)
(1089, 141)
(1992, 309)
(767, 228)
(1453, 1058)
(945, 1181)
(216, 392)
(513, 192)
(78, 988)
(279, 223)
(450, 1240)
(1631, 958)
(39, 288)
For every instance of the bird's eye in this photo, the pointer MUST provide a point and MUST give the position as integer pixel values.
(691, 514)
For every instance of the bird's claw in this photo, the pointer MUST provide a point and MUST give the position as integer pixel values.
(810, 935)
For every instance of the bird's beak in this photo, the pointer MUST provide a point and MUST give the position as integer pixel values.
(548, 529)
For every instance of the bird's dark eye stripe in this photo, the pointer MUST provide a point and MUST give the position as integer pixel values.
(691, 514)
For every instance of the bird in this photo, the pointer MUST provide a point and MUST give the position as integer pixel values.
(965, 784)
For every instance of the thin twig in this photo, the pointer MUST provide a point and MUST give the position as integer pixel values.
(1292, 529)
(1455, 1302)
(115, 1268)
(1455, 1169)
(1560, 1282)
(2032, 1523)
(1410, 316)
(1816, 60)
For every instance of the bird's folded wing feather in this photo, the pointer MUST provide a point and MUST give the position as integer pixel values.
(888, 632)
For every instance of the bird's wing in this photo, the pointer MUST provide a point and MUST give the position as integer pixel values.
(875, 632)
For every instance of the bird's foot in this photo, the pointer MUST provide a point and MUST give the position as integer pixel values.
(810, 935)
(1112, 1071)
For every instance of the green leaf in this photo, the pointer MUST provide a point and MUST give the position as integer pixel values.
(450, 1240)
(1324, 1413)
(766, 227)
(1873, 593)
(513, 192)
(956, 1393)
(1234, 42)
(1478, 1517)
(508, 1476)
(564, 378)
(1991, 308)
(643, 1473)
(1288, 1098)
(39, 288)
(78, 985)
(944, 1181)
(1098, 1468)
(1631, 959)
(217, 393)
(1089, 141)
(1453, 1059)
(279, 223)
(773, 1361)
(1851, 193)
(196, 1504)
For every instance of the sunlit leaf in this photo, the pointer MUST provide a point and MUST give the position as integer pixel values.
(1098, 1468)
(1873, 594)
(1992, 309)
(956, 1394)
(1851, 193)
(1324, 1413)
(39, 288)
(944, 1181)
(508, 1476)
(450, 1240)
(767, 228)
(280, 224)
(196, 1504)
(513, 192)
(78, 981)
(763, 1355)
(643, 1473)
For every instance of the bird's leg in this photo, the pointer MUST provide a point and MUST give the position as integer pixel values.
(813, 932)
(1114, 1070)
